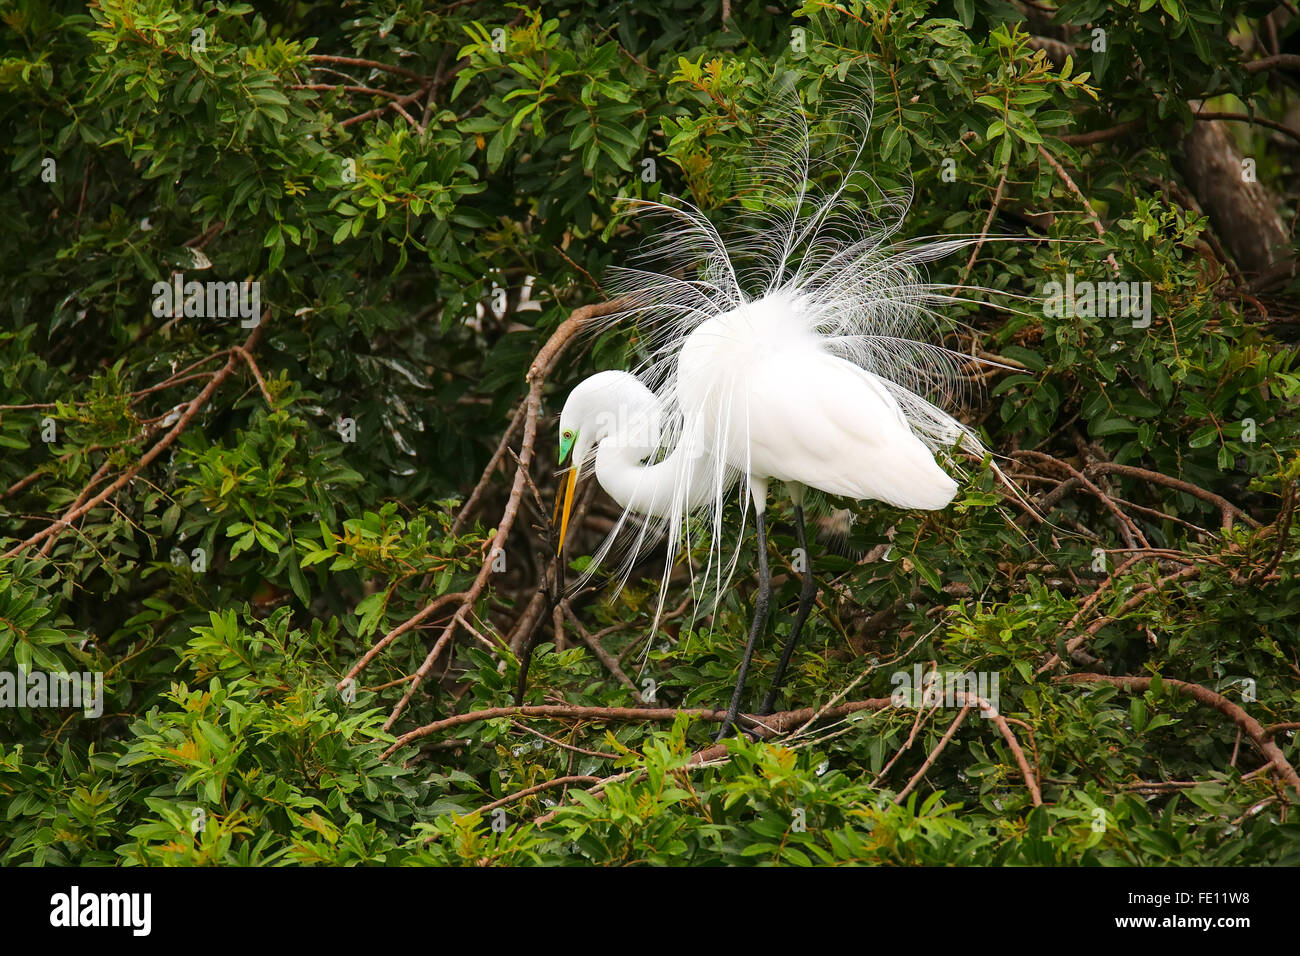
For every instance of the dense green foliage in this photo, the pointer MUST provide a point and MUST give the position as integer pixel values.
(226, 587)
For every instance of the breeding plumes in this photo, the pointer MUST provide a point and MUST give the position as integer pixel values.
(804, 349)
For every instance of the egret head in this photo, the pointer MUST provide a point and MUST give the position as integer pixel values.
(589, 415)
(584, 421)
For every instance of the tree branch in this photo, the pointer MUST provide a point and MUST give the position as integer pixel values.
(192, 409)
(537, 373)
(1251, 727)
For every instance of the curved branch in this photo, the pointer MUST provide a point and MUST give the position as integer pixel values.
(548, 785)
(1283, 61)
(537, 373)
(762, 727)
(1248, 724)
(1226, 508)
(1191, 570)
(192, 409)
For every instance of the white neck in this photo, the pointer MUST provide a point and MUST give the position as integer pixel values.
(626, 419)
(663, 490)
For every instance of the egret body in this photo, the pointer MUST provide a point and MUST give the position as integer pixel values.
(764, 398)
(799, 352)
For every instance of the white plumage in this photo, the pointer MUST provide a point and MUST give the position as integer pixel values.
(778, 405)
(802, 351)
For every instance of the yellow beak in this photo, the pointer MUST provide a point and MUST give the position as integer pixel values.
(564, 505)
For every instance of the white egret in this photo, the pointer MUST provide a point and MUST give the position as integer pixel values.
(798, 353)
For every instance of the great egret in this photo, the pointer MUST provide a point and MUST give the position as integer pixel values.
(797, 354)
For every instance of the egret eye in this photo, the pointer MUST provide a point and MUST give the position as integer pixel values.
(568, 433)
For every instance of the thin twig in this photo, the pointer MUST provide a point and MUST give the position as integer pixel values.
(988, 222)
(933, 755)
(1092, 213)
(602, 655)
(191, 410)
(537, 373)
(548, 785)
(371, 64)
(1258, 734)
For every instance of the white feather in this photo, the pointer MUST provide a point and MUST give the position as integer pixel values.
(805, 350)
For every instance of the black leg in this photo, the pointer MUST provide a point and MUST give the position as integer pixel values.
(760, 618)
(805, 606)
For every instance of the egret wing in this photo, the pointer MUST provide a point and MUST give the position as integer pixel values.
(825, 422)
